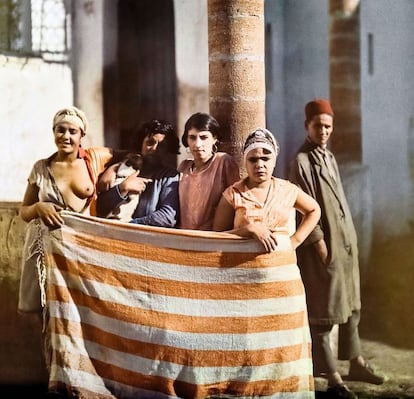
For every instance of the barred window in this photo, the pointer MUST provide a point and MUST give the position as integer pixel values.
(36, 28)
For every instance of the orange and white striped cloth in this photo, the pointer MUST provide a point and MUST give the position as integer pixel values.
(146, 312)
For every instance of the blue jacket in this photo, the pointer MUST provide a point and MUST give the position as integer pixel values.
(158, 205)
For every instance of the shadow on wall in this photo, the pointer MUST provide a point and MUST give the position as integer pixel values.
(388, 295)
(387, 270)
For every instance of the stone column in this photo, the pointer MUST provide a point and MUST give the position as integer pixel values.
(345, 82)
(345, 94)
(87, 65)
(236, 68)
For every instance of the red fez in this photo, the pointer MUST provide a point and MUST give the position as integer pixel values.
(316, 107)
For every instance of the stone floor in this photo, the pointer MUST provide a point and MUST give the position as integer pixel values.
(396, 363)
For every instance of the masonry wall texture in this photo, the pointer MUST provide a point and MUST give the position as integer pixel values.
(237, 73)
(21, 360)
(345, 75)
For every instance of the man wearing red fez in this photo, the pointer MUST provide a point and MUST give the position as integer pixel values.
(328, 259)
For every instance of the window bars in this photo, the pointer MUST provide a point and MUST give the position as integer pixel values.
(36, 28)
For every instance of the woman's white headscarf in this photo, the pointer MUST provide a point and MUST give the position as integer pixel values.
(72, 115)
(261, 138)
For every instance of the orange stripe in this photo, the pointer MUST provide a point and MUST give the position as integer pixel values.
(178, 322)
(186, 357)
(182, 289)
(176, 256)
(180, 388)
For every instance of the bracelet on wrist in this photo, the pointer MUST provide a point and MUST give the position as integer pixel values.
(119, 193)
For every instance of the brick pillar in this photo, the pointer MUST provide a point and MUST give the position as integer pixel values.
(345, 84)
(345, 94)
(236, 68)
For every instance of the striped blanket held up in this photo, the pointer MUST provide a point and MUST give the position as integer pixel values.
(146, 312)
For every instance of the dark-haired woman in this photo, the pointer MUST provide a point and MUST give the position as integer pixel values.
(156, 183)
(205, 175)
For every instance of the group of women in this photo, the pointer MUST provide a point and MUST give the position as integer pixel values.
(204, 193)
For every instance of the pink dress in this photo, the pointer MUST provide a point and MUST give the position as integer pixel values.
(200, 192)
(277, 211)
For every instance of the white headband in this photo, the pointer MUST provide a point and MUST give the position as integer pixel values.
(261, 138)
(71, 115)
(75, 120)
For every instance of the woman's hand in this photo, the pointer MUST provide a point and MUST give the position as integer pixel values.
(264, 235)
(133, 184)
(107, 178)
(49, 213)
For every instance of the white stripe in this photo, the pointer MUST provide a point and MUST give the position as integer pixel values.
(189, 240)
(77, 378)
(174, 272)
(102, 386)
(183, 340)
(179, 305)
(81, 379)
(203, 375)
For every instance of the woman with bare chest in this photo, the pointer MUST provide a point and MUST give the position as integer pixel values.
(65, 180)
(73, 181)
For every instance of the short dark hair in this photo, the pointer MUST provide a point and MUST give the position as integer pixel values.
(201, 121)
(154, 126)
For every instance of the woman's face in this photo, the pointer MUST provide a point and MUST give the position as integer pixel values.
(151, 144)
(201, 144)
(67, 137)
(260, 164)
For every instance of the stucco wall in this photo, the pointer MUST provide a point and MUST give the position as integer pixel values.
(297, 62)
(191, 55)
(300, 71)
(388, 112)
(31, 92)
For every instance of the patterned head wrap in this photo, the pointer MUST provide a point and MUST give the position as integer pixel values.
(72, 115)
(261, 138)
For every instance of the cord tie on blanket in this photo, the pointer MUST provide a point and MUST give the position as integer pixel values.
(37, 249)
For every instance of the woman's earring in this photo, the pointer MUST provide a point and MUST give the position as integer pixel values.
(215, 148)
